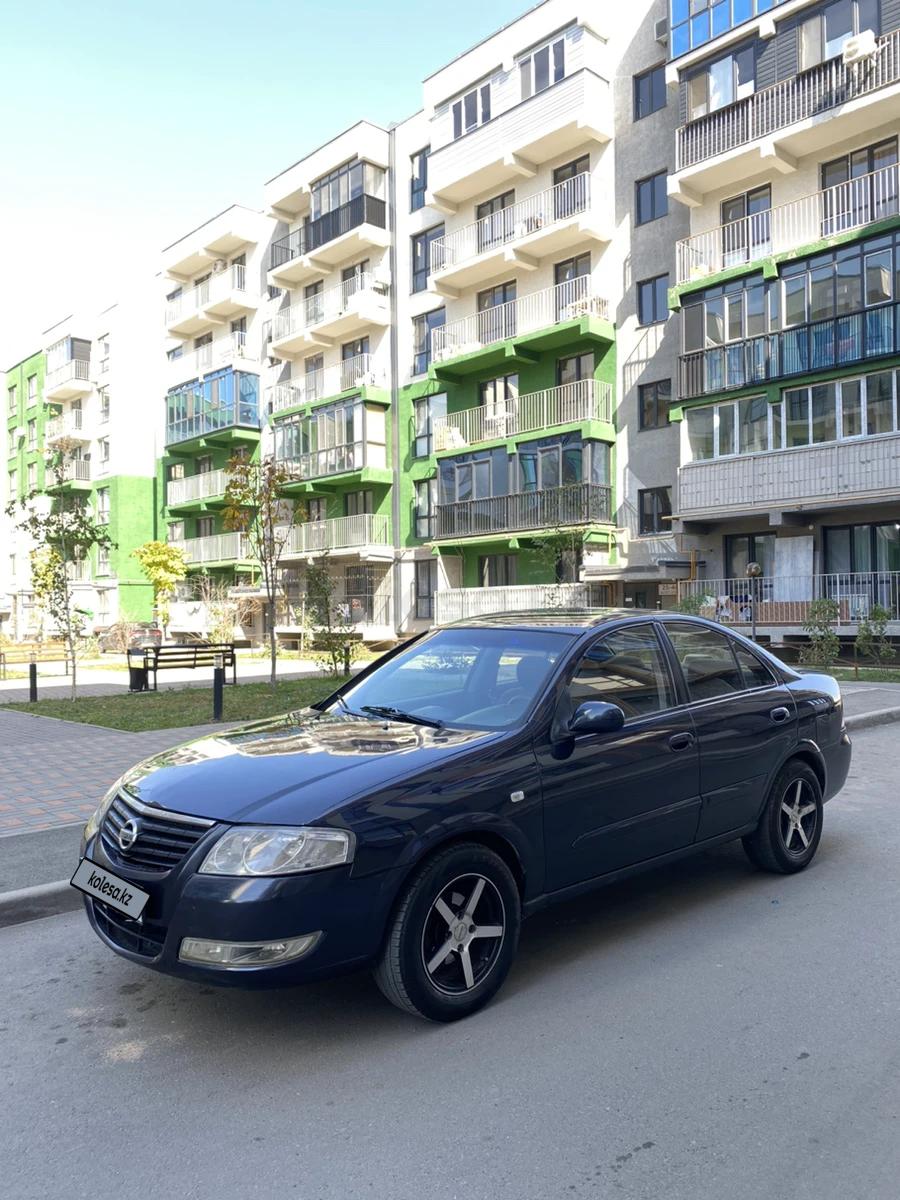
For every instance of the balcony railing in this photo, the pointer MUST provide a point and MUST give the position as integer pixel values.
(553, 305)
(210, 356)
(822, 214)
(75, 470)
(786, 599)
(459, 604)
(576, 504)
(336, 460)
(229, 416)
(339, 533)
(355, 372)
(217, 547)
(324, 306)
(78, 570)
(210, 291)
(816, 346)
(568, 404)
(196, 487)
(76, 370)
(808, 94)
(359, 610)
(68, 425)
(361, 210)
(550, 207)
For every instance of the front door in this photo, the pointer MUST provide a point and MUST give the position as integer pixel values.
(614, 799)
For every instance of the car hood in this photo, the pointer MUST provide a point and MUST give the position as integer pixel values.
(294, 768)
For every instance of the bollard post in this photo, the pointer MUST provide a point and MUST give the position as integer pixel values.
(346, 660)
(32, 681)
(218, 685)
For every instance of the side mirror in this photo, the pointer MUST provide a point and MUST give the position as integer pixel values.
(596, 716)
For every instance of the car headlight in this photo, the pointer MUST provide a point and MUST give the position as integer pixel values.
(277, 850)
(95, 820)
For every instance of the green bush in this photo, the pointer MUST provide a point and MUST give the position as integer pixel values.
(824, 645)
(872, 641)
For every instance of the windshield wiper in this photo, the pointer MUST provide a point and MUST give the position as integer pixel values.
(346, 707)
(397, 714)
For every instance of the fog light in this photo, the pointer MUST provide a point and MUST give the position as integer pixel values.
(233, 956)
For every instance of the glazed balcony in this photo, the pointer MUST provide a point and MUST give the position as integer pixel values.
(347, 458)
(195, 489)
(210, 303)
(216, 548)
(460, 604)
(568, 404)
(69, 381)
(575, 504)
(354, 534)
(785, 600)
(213, 421)
(337, 314)
(348, 375)
(822, 214)
(316, 247)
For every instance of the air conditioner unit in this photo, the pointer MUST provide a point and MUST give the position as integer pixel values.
(661, 30)
(219, 265)
(859, 47)
(365, 380)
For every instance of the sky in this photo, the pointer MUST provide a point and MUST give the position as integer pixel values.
(126, 123)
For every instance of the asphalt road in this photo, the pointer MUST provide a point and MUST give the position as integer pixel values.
(703, 1032)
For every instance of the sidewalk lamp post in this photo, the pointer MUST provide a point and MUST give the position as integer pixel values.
(218, 685)
(753, 572)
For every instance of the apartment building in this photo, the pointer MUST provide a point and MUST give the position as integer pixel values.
(788, 291)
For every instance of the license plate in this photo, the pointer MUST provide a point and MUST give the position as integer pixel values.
(103, 885)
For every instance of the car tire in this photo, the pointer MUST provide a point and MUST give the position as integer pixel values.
(462, 902)
(787, 837)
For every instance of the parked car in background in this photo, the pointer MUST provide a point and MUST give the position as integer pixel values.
(410, 821)
(129, 635)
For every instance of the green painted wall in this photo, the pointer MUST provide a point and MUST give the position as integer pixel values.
(18, 376)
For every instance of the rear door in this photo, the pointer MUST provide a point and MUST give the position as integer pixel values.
(745, 720)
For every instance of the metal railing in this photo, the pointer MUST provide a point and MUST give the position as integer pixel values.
(551, 306)
(323, 306)
(67, 425)
(216, 547)
(458, 604)
(830, 211)
(76, 370)
(815, 346)
(76, 470)
(336, 460)
(243, 413)
(210, 291)
(355, 372)
(786, 599)
(196, 487)
(361, 210)
(339, 533)
(802, 96)
(575, 504)
(549, 207)
(212, 354)
(583, 400)
(78, 570)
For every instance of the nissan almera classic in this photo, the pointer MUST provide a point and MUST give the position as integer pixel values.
(409, 821)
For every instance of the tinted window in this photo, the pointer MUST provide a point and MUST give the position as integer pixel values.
(625, 668)
(756, 674)
(707, 661)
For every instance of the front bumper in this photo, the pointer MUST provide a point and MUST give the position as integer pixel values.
(350, 911)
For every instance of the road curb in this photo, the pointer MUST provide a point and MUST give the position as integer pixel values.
(44, 900)
(881, 716)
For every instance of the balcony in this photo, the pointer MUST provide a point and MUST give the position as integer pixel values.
(319, 245)
(75, 471)
(345, 459)
(196, 488)
(802, 115)
(548, 223)
(210, 303)
(780, 601)
(70, 426)
(229, 351)
(529, 323)
(334, 315)
(817, 346)
(862, 470)
(351, 374)
(568, 404)
(69, 381)
(364, 534)
(564, 117)
(822, 214)
(460, 604)
(576, 504)
(78, 570)
(214, 422)
(216, 548)
(222, 237)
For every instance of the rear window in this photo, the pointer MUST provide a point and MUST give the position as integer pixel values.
(756, 674)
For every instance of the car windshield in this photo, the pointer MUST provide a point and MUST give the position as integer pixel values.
(474, 678)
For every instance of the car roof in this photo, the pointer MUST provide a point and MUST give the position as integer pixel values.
(575, 620)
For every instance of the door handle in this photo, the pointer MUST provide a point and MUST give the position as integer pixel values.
(681, 741)
(779, 715)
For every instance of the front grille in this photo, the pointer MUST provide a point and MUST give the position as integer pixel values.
(163, 837)
(129, 935)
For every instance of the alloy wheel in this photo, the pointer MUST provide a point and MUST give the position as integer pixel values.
(463, 934)
(798, 817)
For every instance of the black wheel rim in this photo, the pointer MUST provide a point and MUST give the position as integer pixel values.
(463, 934)
(798, 817)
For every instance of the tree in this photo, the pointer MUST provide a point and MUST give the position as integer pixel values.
(164, 566)
(223, 611)
(62, 535)
(872, 641)
(255, 506)
(550, 550)
(824, 644)
(332, 634)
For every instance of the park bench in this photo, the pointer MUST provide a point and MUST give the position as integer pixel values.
(168, 658)
(24, 653)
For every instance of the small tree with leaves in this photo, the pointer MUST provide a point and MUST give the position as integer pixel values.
(62, 534)
(332, 633)
(872, 641)
(164, 567)
(549, 551)
(255, 506)
(824, 644)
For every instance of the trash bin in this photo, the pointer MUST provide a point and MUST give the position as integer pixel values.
(137, 672)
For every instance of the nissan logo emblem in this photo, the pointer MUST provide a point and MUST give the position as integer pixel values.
(128, 835)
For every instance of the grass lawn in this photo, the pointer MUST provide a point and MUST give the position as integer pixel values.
(183, 706)
(866, 674)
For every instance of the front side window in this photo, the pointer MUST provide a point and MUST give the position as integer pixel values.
(626, 668)
(707, 661)
(542, 67)
(653, 300)
(651, 200)
(655, 510)
(649, 92)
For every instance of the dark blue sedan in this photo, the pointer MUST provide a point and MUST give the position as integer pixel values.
(411, 820)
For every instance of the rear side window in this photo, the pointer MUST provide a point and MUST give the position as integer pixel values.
(756, 674)
(625, 668)
(707, 660)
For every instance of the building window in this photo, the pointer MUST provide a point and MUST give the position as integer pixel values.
(653, 403)
(864, 549)
(102, 560)
(32, 434)
(358, 503)
(746, 548)
(649, 92)
(746, 227)
(575, 367)
(471, 110)
(175, 532)
(103, 506)
(12, 401)
(650, 199)
(542, 67)
(652, 300)
(423, 327)
(826, 34)
(11, 442)
(722, 82)
(421, 256)
(104, 406)
(32, 389)
(206, 526)
(103, 348)
(424, 508)
(654, 507)
(13, 485)
(103, 447)
(871, 196)
(345, 183)
(497, 570)
(175, 353)
(694, 22)
(426, 409)
(32, 476)
(418, 184)
(426, 585)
